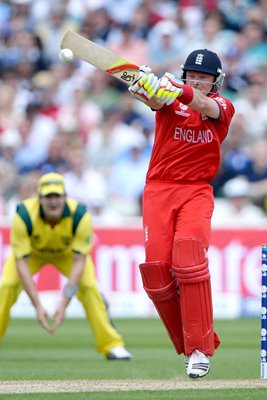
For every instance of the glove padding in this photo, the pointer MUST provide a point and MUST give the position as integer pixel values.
(146, 86)
(170, 88)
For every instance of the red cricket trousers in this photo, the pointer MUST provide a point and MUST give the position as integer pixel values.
(173, 211)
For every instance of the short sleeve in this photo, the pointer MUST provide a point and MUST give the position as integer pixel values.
(82, 241)
(20, 239)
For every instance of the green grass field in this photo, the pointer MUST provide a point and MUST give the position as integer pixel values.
(29, 353)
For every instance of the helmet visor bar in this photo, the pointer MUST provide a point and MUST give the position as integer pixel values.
(218, 83)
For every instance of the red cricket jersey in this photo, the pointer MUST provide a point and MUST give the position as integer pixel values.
(187, 143)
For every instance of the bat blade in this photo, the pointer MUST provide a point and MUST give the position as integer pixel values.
(100, 57)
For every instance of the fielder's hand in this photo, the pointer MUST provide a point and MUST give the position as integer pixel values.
(59, 316)
(146, 85)
(170, 88)
(43, 318)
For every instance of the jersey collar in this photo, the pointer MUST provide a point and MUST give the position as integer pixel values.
(66, 212)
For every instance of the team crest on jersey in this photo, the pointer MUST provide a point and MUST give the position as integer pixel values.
(182, 110)
(66, 240)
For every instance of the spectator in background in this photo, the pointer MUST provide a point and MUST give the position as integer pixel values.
(236, 208)
(101, 23)
(235, 13)
(9, 141)
(142, 20)
(56, 160)
(99, 149)
(235, 155)
(25, 187)
(236, 79)
(256, 172)
(213, 36)
(63, 76)
(8, 183)
(52, 29)
(36, 132)
(123, 41)
(254, 55)
(84, 113)
(102, 90)
(247, 160)
(129, 111)
(7, 107)
(165, 44)
(252, 104)
(121, 12)
(127, 178)
(112, 138)
(17, 94)
(83, 182)
(45, 87)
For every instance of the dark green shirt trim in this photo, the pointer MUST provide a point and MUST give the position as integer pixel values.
(25, 216)
(66, 211)
(79, 213)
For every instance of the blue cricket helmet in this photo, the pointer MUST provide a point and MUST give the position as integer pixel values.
(207, 61)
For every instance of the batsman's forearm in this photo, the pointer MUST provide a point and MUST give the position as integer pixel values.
(204, 104)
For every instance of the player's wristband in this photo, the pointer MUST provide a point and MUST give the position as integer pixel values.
(187, 95)
(70, 290)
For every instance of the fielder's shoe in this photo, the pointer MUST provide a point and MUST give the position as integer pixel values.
(199, 365)
(119, 353)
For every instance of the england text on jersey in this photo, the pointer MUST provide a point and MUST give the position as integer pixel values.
(193, 136)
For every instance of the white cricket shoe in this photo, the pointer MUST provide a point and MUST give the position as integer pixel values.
(198, 365)
(119, 353)
(186, 361)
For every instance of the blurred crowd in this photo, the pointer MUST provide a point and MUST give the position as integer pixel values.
(76, 120)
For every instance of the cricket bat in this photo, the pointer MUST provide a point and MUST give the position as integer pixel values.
(100, 57)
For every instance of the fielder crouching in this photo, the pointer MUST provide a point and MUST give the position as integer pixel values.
(192, 120)
(54, 229)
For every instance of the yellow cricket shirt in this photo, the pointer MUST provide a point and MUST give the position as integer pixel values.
(31, 235)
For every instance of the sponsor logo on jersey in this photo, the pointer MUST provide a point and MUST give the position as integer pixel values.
(66, 240)
(182, 110)
(48, 250)
(193, 136)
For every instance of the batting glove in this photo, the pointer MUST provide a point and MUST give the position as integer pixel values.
(170, 88)
(146, 85)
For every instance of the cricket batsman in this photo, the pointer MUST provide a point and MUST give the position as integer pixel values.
(192, 120)
(55, 229)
